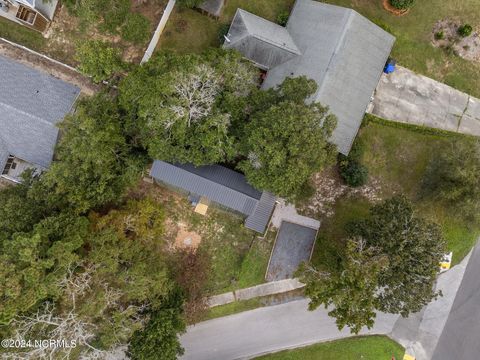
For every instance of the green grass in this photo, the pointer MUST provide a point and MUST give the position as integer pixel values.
(356, 348)
(22, 35)
(189, 31)
(232, 308)
(332, 233)
(413, 48)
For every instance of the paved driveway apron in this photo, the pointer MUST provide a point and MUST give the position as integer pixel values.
(405, 96)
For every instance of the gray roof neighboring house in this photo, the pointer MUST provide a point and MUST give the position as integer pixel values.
(222, 186)
(31, 104)
(340, 49)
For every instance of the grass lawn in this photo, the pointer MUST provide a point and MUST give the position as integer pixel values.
(21, 35)
(396, 157)
(232, 308)
(413, 31)
(238, 257)
(189, 31)
(356, 348)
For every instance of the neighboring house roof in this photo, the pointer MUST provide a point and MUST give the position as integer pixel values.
(221, 185)
(342, 51)
(213, 7)
(31, 104)
(45, 7)
(263, 42)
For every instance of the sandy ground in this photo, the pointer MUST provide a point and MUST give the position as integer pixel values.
(187, 239)
(465, 47)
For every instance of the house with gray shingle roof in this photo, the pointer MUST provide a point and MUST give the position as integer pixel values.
(32, 103)
(35, 14)
(340, 49)
(221, 186)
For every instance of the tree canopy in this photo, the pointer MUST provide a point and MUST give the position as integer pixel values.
(396, 275)
(453, 176)
(286, 139)
(174, 104)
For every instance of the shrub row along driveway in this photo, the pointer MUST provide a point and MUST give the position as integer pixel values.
(405, 96)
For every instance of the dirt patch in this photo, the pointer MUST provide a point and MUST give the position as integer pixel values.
(50, 67)
(4, 183)
(393, 10)
(329, 187)
(445, 35)
(187, 239)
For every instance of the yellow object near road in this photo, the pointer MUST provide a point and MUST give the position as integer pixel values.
(202, 206)
(408, 357)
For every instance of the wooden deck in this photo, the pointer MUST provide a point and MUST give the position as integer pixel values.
(23, 15)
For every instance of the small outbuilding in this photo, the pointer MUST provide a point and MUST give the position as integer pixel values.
(220, 185)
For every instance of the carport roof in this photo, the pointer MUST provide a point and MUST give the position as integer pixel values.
(221, 185)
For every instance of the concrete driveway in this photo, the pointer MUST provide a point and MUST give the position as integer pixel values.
(264, 330)
(405, 96)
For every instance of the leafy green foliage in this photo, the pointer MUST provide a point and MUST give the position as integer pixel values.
(465, 30)
(352, 291)
(160, 335)
(33, 262)
(454, 177)
(94, 164)
(285, 140)
(114, 14)
(282, 18)
(402, 4)
(175, 105)
(98, 60)
(413, 247)
(352, 171)
(136, 28)
(390, 265)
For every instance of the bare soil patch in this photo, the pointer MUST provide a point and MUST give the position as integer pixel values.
(329, 187)
(185, 239)
(445, 35)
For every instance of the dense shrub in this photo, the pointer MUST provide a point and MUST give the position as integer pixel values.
(282, 18)
(222, 31)
(465, 30)
(98, 60)
(439, 35)
(352, 171)
(402, 4)
(136, 28)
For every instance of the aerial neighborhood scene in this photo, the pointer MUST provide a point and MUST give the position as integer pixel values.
(240, 179)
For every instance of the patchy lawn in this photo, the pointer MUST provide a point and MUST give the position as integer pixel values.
(237, 256)
(189, 31)
(414, 31)
(65, 32)
(396, 157)
(362, 347)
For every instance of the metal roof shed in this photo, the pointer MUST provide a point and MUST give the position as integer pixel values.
(222, 186)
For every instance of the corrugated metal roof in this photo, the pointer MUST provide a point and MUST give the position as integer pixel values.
(31, 104)
(221, 185)
(263, 42)
(344, 53)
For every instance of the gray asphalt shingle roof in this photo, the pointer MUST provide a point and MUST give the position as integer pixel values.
(222, 186)
(213, 7)
(265, 43)
(31, 105)
(343, 52)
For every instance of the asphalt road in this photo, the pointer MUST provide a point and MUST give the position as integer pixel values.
(460, 339)
(265, 330)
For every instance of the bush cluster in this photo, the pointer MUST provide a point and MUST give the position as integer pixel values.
(282, 18)
(352, 171)
(402, 4)
(465, 30)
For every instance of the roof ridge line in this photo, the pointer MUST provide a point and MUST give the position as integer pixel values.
(28, 114)
(341, 40)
